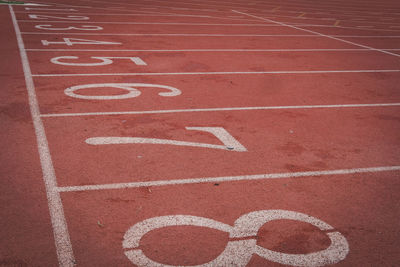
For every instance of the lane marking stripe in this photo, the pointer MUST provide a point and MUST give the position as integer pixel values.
(150, 23)
(216, 109)
(60, 229)
(208, 50)
(131, 14)
(208, 34)
(212, 73)
(226, 179)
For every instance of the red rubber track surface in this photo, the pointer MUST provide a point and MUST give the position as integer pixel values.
(26, 235)
(239, 108)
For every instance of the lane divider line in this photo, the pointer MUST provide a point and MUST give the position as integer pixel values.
(175, 34)
(211, 73)
(209, 34)
(59, 224)
(214, 109)
(227, 179)
(208, 50)
(151, 23)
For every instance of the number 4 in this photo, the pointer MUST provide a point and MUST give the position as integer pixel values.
(54, 17)
(229, 142)
(73, 41)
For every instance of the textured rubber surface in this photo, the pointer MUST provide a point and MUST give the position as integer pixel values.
(227, 133)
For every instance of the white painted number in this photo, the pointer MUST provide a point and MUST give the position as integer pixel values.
(129, 87)
(74, 41)
(54, 17)
(239, 252)
(81, 28)
(32, 4)
(229, 142)
(103, 61)
(50, 9)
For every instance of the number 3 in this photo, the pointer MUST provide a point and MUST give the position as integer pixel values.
(82, 28)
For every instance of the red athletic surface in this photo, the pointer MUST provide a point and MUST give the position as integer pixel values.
(363, 207)
(277, 141)
(214, 91)
(358, 210)
(26, 235)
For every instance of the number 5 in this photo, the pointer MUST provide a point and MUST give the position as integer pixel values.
(104, 61)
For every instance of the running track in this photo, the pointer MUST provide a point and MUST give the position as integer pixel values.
(212, 133)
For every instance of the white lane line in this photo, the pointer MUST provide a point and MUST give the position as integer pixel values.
(319, 34)
(152, 23)
(207, 34)
(215, 109)
(21, 4)
(60, 229)
(227, 179)
(211, 73)
(205, 50)
(131, 14)
(174, 34)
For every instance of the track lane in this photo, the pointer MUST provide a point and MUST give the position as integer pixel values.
(276, 141)
(359, 139)
(25, 228)
(337, 200)
(48, 63)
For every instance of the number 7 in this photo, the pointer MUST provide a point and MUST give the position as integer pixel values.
(229, 142)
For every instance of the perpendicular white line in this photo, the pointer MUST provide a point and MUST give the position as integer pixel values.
(211, 73)
(287, 175)
(318, 33)
(207, 50)
(215, 109)
(60, 229)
